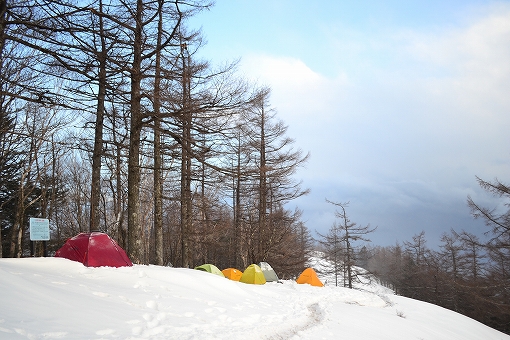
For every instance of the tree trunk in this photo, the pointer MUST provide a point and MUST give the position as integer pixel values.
(135, 239)
(186, 223)
(158, 181)
(17, 228)
(262, 185)
(95, 190)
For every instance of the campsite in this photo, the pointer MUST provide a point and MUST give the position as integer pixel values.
(171, 169)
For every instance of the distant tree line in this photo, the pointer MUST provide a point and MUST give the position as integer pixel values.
(110, 122)
(465, 274)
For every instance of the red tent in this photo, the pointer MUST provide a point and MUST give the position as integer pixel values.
(94, 250)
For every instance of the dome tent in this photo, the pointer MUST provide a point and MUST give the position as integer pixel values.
(309, 276)
(94, 249)
(210, 268)
(269, 272)
(232, 274)
(253, 274)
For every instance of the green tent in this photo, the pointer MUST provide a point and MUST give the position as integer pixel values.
(269, 272)
(254, 275)
(210, 268)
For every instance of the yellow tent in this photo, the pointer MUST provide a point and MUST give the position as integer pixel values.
(254, 275)
(309, 276)
(232, 274)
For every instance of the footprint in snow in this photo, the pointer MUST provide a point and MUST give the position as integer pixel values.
(151, 320)
(136, 330)
(152, 304)
(215, 310)
(100, 294)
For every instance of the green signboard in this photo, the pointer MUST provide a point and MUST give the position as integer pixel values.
(39, 229)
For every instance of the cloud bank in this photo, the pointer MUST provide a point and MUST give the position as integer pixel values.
(404, 125)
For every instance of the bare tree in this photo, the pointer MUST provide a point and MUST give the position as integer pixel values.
(158, 162)
(475, 256)
(272, 163)
(497, 274)
(350, 232)
(39, 129)
(417, 248)
(498, 222)
(454, 262)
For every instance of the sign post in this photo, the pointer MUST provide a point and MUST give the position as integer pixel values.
(39, 231)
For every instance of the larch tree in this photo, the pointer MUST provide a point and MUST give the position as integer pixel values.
(497, 274)
(196, 113)
(273, 162)
(349, 232)
(141, 22)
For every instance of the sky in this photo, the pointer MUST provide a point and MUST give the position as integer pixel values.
(401, 104)
(55, 298)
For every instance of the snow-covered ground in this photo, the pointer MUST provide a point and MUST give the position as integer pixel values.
(55, 298)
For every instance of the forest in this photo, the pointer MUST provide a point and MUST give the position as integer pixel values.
(110, 121)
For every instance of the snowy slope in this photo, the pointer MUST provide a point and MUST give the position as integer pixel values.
(54, 298)
(362, 280)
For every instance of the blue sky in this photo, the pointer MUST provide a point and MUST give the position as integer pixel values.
(400, 104)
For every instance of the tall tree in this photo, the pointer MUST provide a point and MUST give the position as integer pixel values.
(97, 152)
(135, 246)
(186, 143)
(196, 115)
(144, 34)
(273, 162)
(158, 162)
(498, 252)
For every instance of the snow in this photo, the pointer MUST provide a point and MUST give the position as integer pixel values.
(55, 298)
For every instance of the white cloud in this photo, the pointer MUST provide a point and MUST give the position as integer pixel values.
(281, 70)
(407, 124)
(475, 60)
(297, 91)
(485, 40)
(471, 98)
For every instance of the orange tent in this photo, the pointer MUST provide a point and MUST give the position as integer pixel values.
(309, 276)
(232, 274)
